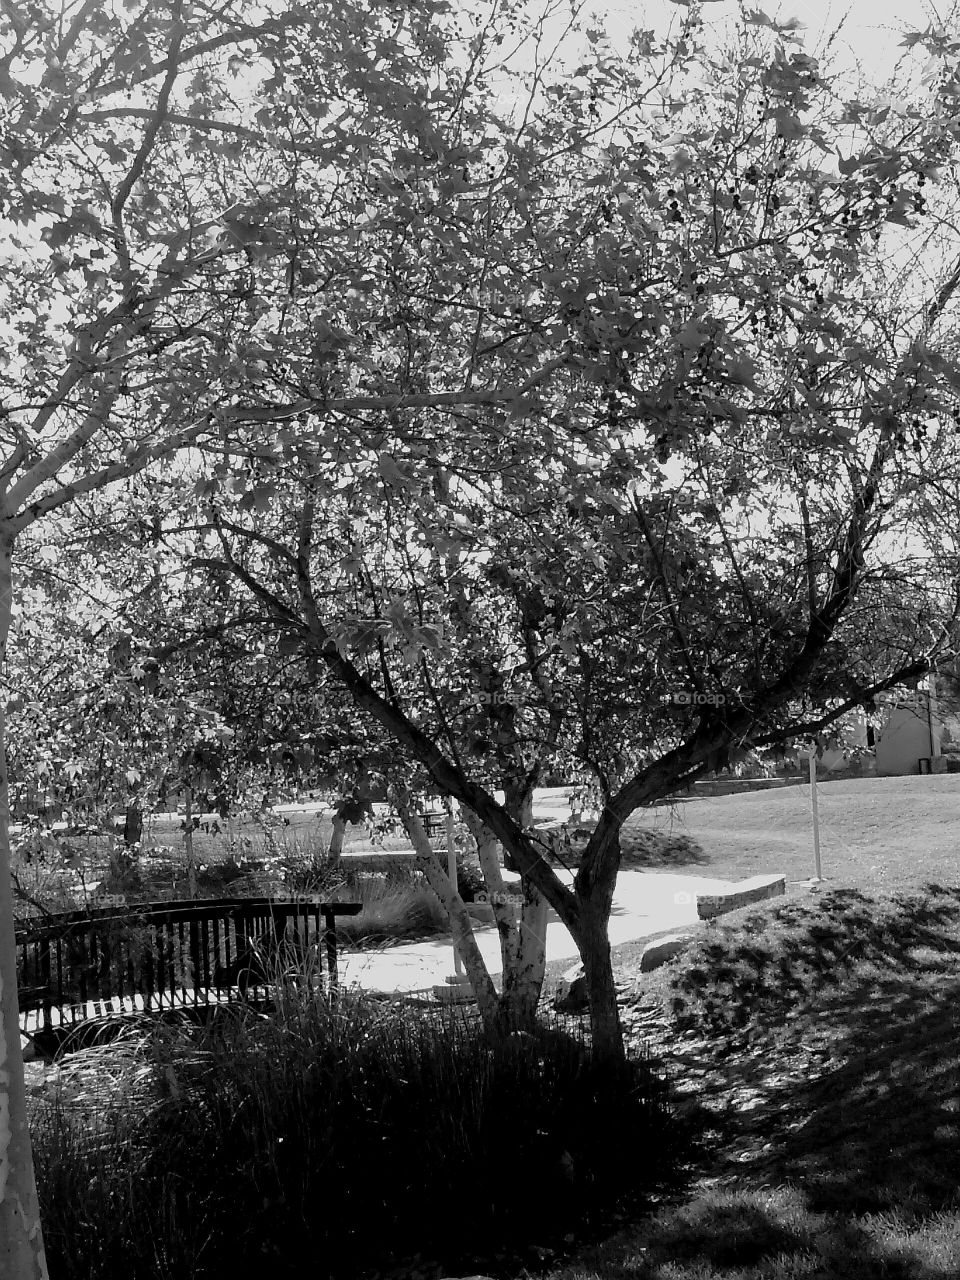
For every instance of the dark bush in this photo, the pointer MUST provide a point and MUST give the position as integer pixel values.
(347, 1133)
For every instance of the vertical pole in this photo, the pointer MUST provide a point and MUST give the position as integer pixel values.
(816, 813)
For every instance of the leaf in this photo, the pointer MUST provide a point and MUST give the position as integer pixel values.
(431, 637)
(390, 473)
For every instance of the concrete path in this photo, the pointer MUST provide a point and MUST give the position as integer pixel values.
(645, 904)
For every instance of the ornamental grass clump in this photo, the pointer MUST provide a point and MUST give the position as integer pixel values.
(352, 1132)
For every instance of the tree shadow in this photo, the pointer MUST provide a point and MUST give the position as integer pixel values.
(754, 1232)
(640, 847)
(874, 1128)
(752, 973)
(838, 1116)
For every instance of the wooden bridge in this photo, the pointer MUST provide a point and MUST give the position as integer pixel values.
(169, 955)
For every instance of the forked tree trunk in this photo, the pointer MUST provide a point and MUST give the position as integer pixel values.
(22, 1254)
(523, 949)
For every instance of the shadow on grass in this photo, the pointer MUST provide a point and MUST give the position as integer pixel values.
(771, 1234)
(840, 1114)
(877, 1129)
(642, 848)
(748, 974)
(850, 1165)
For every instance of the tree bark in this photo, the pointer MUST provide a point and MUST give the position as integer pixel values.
(605, 1030)
(594, 885)
(335, 852)
(133, 824)
(488, 853)
(460, 924)
(22, 1254)
(188, 842)
(523, 949)
(523, 981)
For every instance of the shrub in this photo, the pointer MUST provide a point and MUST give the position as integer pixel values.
(397, 904)
(470, 881)
(342, 1131)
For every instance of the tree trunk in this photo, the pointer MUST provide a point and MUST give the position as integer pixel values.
(488, 854)
(605, 1030)
(133, 824)
(22, 1254)
(188, 842)
(523, 981)
(460, 924)
(522, 941)
(518, 802)
(594, 884)
(335, 851)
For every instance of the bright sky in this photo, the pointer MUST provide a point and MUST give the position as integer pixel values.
(871, 33)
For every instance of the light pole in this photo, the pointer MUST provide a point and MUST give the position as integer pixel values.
(815, 810)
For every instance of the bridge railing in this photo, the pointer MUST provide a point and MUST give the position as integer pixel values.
(171, 954)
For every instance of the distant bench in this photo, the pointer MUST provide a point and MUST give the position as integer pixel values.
(145, 957)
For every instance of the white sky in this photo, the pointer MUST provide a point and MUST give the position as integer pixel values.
(871, 34)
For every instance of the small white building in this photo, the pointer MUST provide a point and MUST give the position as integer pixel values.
(910, 736)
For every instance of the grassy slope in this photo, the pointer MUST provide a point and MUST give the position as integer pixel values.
(835, 1107)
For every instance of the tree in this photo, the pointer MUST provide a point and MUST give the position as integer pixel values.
(127, 289)
(316, 267)
(703, 501)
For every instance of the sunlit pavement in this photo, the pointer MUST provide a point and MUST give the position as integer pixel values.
(646, 903)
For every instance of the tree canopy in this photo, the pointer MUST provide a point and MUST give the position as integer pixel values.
(595, 416)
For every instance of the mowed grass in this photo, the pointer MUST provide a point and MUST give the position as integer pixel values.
(882, 833)
(823, 1034)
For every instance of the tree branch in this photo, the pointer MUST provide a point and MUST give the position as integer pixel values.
(393, 403)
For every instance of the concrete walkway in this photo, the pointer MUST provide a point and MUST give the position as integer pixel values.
(646, 903)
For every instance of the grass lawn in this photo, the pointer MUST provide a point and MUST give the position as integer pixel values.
(881, 833)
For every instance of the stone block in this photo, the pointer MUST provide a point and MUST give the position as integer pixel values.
(571, 993)
(740, 894)
(663, 949)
